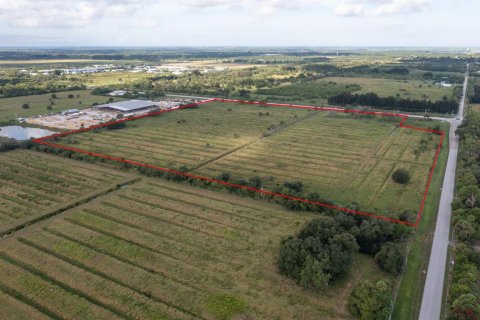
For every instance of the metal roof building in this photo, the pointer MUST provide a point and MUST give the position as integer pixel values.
(128, 106)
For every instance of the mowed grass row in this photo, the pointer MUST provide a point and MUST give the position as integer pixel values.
(160, 250)
(340, 157)
(188, 137)
(31, 183)
(372, 185)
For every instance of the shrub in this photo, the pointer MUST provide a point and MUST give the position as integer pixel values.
(116, 126)
(296, 186)
(25, 106)
(401, 176)
(224, 177)
(390, 258)
(370, 301)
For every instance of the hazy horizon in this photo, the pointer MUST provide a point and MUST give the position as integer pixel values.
(265, 23)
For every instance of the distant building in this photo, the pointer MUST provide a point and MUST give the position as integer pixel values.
(443, 84)
(127, 106)
(69, 111)
(117, 93)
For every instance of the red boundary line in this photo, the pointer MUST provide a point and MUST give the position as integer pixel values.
(42, 141)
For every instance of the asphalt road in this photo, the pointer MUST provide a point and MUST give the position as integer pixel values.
(433, 292)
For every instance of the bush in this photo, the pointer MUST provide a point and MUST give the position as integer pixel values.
(25, 106)
(390, 258)
(224, 177)
(116, 126)
(322, 252)
(370, 301)
(295, 186)
(401, 176)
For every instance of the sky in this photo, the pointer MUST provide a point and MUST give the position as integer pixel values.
(311, 23)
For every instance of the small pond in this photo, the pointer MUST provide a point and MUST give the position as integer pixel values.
(23, 133)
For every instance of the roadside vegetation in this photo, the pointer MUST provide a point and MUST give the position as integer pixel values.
(463, 301)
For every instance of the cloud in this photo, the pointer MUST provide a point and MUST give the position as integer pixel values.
(62, 13)
(380, 7)
(270, 7)
(401, 6)
(349, 10)
(206, 3)
(81, 13)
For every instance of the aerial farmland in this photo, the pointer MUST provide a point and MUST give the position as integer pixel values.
(344, 157)
(236, 183)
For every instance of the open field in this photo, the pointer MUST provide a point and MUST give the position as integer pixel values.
(9, 107)
(33, 184)
(341, 157)
(112, 78)
(160, 250)
(413, 89)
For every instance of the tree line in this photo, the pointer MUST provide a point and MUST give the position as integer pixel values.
(373, 100)
(464, 291)
(475, 98)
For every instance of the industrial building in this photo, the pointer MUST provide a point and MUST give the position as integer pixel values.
(127, 106)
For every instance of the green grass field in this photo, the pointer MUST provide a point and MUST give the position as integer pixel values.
(338, 156)
(413, 89)
(11, 107)
(160, 250)
(33, 184)
(112, 78)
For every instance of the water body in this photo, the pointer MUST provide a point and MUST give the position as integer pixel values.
(23, 133)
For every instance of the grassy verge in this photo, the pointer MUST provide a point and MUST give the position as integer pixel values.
(409, 299)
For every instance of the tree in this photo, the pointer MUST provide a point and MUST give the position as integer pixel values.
(370, 301)
(25, 106)
(390, 258)
(255, 182)
(401, 176)
(341, 246)
(465, 230)
(322, 252)
(71, 96)
(313, 276)
(466, 306)
(49, 107)
(372, 234)
(291, 257)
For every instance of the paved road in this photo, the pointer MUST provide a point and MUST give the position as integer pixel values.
(433, 292)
